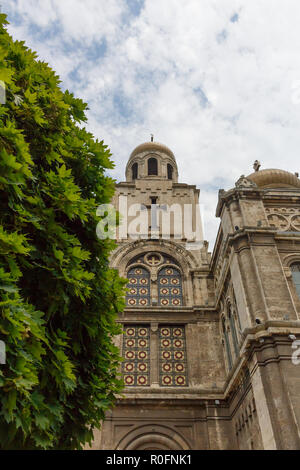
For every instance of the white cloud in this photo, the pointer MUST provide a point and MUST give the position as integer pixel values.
(219, 93)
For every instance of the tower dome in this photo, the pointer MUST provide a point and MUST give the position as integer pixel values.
(274, 178)
(152, 160)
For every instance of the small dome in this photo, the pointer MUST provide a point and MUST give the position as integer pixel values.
(273, 178)
(152, 147)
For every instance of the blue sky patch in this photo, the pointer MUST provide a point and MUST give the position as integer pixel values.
(135, 6)
(235, 18)
(222, 36)
(201, 96)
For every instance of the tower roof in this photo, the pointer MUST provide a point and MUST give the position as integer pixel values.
(274, 178)
(152, 147)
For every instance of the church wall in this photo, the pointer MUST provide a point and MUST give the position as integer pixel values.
(244, 420)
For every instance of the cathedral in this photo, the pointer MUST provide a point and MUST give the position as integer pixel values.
(211, 341)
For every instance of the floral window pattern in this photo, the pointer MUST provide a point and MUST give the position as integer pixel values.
(172, 353)
(139, 287)
(169, 287)
(136, 353)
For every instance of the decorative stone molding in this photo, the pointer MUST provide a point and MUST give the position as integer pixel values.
(284, 218)
(244, 182)
(287, 272)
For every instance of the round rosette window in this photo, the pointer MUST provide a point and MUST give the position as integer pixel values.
(142, 367)
(142, 355)
(180, 368)
(167, 368)
(129, 355)
(178, 355)
(178, 343)
(142, 332)
(177, 332)
(166, 343)
(129, 367)
(180, 380)
(165, 332)
(166, 355)
(129, 380)
(142, 380)
(167, 380)
(130, 343)
(130, 332)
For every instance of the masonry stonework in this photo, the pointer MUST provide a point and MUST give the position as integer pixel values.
(215, 368)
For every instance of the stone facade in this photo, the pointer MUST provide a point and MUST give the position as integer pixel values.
(209, 340)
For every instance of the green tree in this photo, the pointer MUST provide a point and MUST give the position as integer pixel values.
(58, 297)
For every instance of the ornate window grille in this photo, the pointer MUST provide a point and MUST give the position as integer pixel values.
(139, 287)
(136, 353)
(172, 354)
(169, 287)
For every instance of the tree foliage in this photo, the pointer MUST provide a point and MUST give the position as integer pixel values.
(58, 297)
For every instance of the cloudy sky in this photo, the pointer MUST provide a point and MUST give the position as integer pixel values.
(217, 81)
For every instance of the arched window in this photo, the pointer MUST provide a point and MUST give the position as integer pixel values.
(169, 287)
(233, 332)
(152, 166)
(134, 171)
(295, 268)
(170, 172)
(236, 312)
(139, 287)
(227, 345)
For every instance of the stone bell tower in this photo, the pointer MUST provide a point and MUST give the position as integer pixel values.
(162, 253)
(210, 341)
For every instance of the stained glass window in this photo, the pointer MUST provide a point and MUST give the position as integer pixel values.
(172, 353)
(136, 353)
(169, 287)
(139, 287)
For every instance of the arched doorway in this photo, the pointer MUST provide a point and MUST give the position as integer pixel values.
(153, 437)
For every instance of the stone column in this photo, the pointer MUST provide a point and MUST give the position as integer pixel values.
(154, 355)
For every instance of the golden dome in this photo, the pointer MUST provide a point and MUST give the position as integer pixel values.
(152, 147)
(273, 178)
